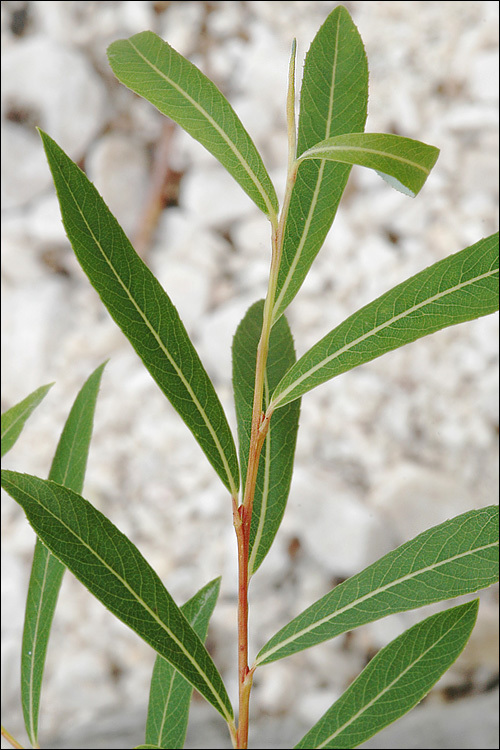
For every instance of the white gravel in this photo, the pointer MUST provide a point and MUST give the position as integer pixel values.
(383, 451)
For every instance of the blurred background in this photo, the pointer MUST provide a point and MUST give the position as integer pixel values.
(383, 451)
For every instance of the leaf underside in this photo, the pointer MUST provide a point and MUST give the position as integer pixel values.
(404, 163)
(153, 69)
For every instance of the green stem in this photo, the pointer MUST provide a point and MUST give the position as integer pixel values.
(11, 739)
(242, 515)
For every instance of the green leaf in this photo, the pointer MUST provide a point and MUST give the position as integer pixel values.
(460, 556)
(276, 461)
(115, 572)
(150, 67)
(68, 468)
(461, 287)
(70, 459)
(405, 164)
(13, 420)
(333, 101)
(395, 680)
(170, 694)
(141, 308)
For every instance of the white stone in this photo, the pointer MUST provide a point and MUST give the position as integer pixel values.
(213, 197)
(338, 531)
(414, 498)
(216, 337)
(273, 694)
(71, 109)
(118, 166)
(484, 75)
(313, 704)
(181, 25)
(25, 172)
(44, 222)
(179, 239)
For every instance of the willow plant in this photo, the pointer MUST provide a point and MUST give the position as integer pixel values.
(455, 558)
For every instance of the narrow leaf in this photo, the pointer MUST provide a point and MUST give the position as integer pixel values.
(68, 468)
(141, 308)
(461, 287)
(333, 100)
(395, 680)
(276, 461)
(460, 556)
(404, 163)
(115, 572)
(170, 694)
(150, 67)
(13, 420)
(70, 459)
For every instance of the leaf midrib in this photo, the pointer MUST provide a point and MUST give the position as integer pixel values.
(374, 331)
(140, 601)
(266, 456)
(309, 154)
(34, 644)
(165, 707)
(179, 372)
(366, 597)
(220, 131)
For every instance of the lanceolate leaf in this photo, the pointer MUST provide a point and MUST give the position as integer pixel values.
(404, 163)
(457, 557)
(141, 308)
(333, 101)
(150, 67)
(68, 468)
(461, 287)
(116, 573)
(276, 461)
(13, 419)
(395, 680)
(170, 694)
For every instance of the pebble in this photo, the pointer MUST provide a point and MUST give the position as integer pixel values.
(71, 109)
(118, 166)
